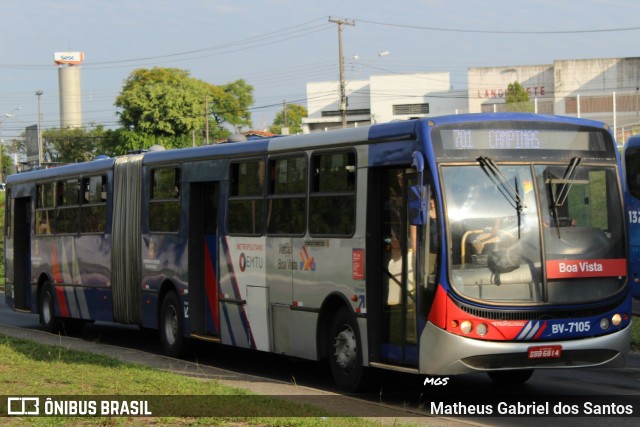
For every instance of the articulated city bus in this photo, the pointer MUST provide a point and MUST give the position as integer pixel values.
(458, 244)
(632, 200)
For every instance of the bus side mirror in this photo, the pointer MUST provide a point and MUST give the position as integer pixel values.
(418, 194)
(418, 205)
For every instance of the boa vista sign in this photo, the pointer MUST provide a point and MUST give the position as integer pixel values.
(572, 268)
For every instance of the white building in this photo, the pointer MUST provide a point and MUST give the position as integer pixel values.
(381, 99)
(606, 89)
(487, 87)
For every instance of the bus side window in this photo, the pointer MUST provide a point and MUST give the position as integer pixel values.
(44, 209)
(94, 210)
(164, 203)
(67, 206)
(332, 195)
(246, 198)
(287, 208)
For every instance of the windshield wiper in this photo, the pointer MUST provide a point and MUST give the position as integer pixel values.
(502, 183)
(567, 181)
(559, 198)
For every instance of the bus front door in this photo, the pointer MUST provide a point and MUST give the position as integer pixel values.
(204, 319)
(397, 262)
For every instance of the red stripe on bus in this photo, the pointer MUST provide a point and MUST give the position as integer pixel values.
(62, 301)
(211, 286)
(57, 274)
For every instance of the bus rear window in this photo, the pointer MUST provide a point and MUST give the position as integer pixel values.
(632, 164)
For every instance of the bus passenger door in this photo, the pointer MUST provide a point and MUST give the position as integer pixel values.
(204, 316)
(397, 331)
(21, 234)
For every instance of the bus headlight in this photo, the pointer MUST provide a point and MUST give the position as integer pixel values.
(616, 319)
(481, 329)
(466, 326)
(604, 323)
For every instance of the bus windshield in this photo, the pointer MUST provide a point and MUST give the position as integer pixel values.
(499, 216)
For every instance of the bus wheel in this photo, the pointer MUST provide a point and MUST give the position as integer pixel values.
(345, 349)
(171, 325)
(46, 309)
(510, 377)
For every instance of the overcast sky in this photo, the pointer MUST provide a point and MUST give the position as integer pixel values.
(278, 46)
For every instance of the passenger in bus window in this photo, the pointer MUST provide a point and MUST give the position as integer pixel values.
(394, 269)
(44, 227)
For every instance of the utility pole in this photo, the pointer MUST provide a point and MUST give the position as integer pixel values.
(39, 94)
(284, 130)
(343, 92)
(206, 119)
(284, 111)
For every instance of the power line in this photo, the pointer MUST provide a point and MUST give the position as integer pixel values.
(469, 30)
(261, 40)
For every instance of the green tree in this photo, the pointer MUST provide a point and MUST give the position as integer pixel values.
(166, 106)
(6, 163)
(72, 145)
(517, 99)
(295, 114)
(231, 106)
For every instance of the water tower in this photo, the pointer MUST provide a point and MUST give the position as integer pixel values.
(69, 87)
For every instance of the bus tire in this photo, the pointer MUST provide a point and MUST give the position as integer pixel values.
(345, 351)
(46, 309)
(171, 325)
(510, 377)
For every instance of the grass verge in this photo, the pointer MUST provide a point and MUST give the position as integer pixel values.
(29, 368)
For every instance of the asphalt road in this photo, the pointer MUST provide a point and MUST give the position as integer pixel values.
(273, 374)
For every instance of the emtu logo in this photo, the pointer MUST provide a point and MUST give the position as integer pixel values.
(307, 263)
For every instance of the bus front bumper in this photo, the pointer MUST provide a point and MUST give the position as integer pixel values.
(443, 353)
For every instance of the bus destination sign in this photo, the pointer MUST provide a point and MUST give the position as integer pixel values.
(514, 139)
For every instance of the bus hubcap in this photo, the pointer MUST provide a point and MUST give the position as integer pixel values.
(171, 325)
(46, 312)
(345, 348)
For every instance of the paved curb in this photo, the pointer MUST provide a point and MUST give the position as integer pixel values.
(258, 385)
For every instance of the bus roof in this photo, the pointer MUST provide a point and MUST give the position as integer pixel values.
(489, 117)
(73, 169)
(397, 130)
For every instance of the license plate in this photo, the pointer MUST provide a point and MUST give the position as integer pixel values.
(545, 352)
